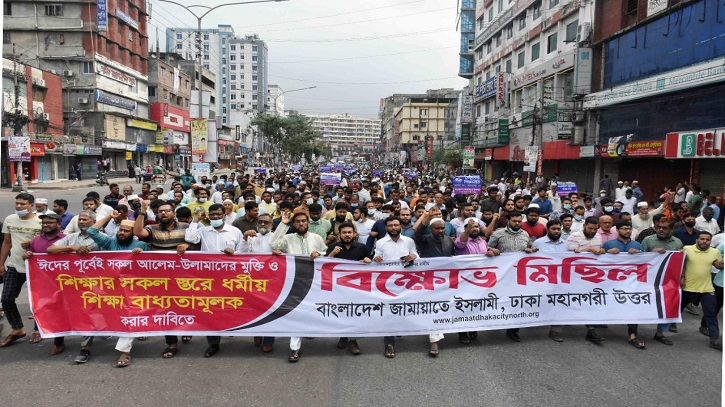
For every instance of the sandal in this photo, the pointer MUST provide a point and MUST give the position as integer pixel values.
(170, 352)
(35, 337)
(433, 349)
(186, 339)
(11, 338)
(389, 351)
(637, 344)
(124, 360)
(294, 356)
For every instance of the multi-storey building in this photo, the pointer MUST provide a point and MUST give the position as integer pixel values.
(40, 106)
(239, 63)
(532, 69)
(658, 101)
(101, 50)
(275, 100)
(347, 135)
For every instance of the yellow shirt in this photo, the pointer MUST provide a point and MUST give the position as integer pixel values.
(196, 204)
(697, 269)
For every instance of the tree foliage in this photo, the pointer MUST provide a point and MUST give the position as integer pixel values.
(293, 135)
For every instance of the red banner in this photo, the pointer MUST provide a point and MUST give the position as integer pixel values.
(125, 292)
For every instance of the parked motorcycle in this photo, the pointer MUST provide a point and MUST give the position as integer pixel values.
(101, 179)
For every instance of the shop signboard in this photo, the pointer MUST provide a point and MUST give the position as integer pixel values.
(696, 144)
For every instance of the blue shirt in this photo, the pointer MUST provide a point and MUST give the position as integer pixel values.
(616, 243)
(544, 244)
(65, 220)
(111, 243)
(545, 207)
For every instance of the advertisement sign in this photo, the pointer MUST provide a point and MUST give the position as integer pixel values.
(544, 69)
(429, 146)
(587, 151)
(114, 100)
(69, 149)
(504, 136)
(115, 128)
(696, 144)
(101, 15)
(142, 124)
(467, 109)
(199, 170)
(37, 150)
(583, 71)
(19, 149)
(162, 293)
(531, 155)
(109, 72)
(486, 89)
(126, 19)
(624, 147)
(502, 90)
(198, 136)
(655, 6)
(469, 155)
(467, 184)
(330, 178)
(566, 188)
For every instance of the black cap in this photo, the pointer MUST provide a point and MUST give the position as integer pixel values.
(52, 216)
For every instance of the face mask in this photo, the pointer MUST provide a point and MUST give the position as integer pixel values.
(202, 200)
(263, 231)
(567, 207)
(602, 195)
(617, 210)
(689, 224)
(608, 208)
(707, 218)
(353, 205)
(309, 201)
(22, 213)
(215, 223)
(372, 211)
(578, 218)
(384, 215)
(208, 185)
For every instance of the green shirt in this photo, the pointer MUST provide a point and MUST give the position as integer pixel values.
(653, 242)
(321, 229)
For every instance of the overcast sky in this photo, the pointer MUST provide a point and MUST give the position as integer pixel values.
(354, 51)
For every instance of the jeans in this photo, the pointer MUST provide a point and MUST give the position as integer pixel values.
(12, 285)
(708, 302)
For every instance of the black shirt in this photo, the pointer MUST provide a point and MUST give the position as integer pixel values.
(356, 252)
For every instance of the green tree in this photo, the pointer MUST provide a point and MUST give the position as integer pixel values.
(293, 135)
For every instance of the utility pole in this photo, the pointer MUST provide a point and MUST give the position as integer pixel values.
(17, 124)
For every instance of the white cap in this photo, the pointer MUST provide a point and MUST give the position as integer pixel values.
(435, 220)
(228, 200)
(42, 201)
(602, 190)
(620, 182)
(533, 205)
(643, 205)
(270, 190)
(635, 182)
(132, 197)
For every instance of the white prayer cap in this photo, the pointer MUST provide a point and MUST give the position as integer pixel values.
(533, 205)
(643, 205)
(270, 190)
(132, 197)
(42, 201)
(434, 220)
(228, 200)
(470, 219)
(635, 182)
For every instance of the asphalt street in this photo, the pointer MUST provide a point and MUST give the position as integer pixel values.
(492, 371)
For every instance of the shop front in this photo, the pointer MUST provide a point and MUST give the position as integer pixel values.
(703, 153)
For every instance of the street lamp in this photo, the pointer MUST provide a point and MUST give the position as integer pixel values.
(197, 65)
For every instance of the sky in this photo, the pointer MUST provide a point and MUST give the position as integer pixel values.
(354, 51)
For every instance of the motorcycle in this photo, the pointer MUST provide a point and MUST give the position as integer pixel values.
(101, 179)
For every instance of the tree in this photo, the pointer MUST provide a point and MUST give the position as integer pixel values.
(293, 135)
(452, 156)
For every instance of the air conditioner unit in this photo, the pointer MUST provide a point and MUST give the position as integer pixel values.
(82, 101)
(584, 31)
(46, 116)
(53, 71)
(41, 82)
(68, 73)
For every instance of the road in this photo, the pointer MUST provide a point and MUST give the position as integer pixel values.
(493, 371)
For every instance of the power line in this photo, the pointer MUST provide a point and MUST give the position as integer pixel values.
(364, 57)
(375, 37)
(364, 83)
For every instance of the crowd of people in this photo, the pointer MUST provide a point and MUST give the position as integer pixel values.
(373, 217)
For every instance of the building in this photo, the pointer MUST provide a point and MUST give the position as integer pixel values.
(532, 69)
(169, 96)
(239, 64)
(402, 130)
(102, 57)
(467, 23)
(275, 100)
(40, 104)
(658, 100)
(347, 135)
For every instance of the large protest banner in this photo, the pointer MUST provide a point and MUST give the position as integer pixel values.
(153, 293)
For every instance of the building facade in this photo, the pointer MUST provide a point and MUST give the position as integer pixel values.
(347, 135)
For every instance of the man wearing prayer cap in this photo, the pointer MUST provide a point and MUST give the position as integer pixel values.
(41, 207)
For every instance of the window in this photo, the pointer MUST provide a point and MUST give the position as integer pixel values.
(55, 10)
(166, 94)
(500, 6)
(254, 48)
(206, 37)
(163, 71)
(487, 74)
(498, 40)
(498, 69)
(88, 67)
(423, 125)
(206, 57)
(254, 58)
(521, 57)
(233, 67)
(508, 66)
(553, 3)
(108, 46)
(571, 30)
(55, 39)
(487, 107)
(415, 125)
(254, 107)
(535, 49)
(254, 87)
(206, 66)
(509, 31)
(206, 47)
(120, 28)
(6, 37)
(536, 10)
(551, 43)
(490, 14)
(179, 46)
(232, 57)
(522, 22)
(233, 77)
(7, 9)
(254, 78)
(232, 47)
(423, 112)
(631, 6)
(233, 96)
(152, 90)
(234, 106)
(234, 86)
(254, 97)
(488, 47)
(179, 37)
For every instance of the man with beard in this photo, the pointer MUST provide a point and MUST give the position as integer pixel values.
(363, 224)
(465, 211)
(628, 202)
(167, 234)
(320, 227)
(394, 247)
(532, 226)
(299, 243)
(89, 204)
(587, 239)
(341, 215)
(643, 219)
(661, 242)
(437, 244)
(697, 284)
(510, 239)
(348, 248)
(249, 220)
(216, 238)
(625, 244)
(122, 241)
(492, 202)
(406, 223)
(687, 232)
(566, 223)
(552, 243)
(50, 234)
(471, 241)
(41, 207)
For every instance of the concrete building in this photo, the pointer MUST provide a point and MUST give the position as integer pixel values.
(347, 135)
(239, 64)
(40, 104)
(101, 51)
(275, 100)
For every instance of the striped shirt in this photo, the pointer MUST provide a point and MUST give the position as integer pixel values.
(577, 241)
(164, 239)
(508, 241)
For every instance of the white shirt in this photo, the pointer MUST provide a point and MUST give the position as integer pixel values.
(212, 240)
(111, 228)
(364, 195)
(619, 192)
(258, 244)
(576, 225)
(628, 204)
(403, 204)
(393, 250)
(363, 230)
(216, 197)
(103, 210)
(293, 243)
(702, 225)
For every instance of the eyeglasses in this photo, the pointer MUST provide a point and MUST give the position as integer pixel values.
(264, 222)
(165, 210)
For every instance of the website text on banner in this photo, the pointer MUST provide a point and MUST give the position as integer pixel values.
(467, 184)
(143, 294)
